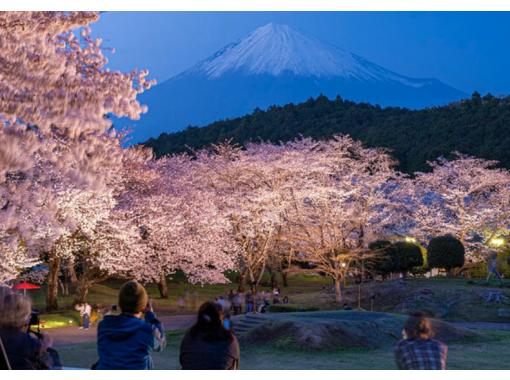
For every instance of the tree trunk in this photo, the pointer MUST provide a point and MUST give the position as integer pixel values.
(338, 291)
(274, 280)
(52, 291)
(242, 281)
(82, 290)
(71, 272)
(163, 286)
(285, 279)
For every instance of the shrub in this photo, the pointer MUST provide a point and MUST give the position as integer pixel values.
(382, 263)
(445, 252)
(405, 256)
(503, 263)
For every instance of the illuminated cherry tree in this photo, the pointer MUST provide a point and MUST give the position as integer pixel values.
(54, 94)
(466, 197)
(341, 201)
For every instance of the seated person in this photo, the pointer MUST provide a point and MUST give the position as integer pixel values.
(208, 345)
(25, 349)
(417, 349)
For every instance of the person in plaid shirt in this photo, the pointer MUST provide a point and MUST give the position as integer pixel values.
(418, 350)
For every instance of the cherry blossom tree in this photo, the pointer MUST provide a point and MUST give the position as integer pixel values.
(466, 197)
(54, 94)
(341, 201)
(248, 186)
(180, 225)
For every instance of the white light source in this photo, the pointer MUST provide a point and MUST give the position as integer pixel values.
(497, 242)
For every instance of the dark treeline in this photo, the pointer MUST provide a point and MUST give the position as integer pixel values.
(477, 126)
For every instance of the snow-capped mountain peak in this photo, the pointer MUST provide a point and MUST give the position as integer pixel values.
(276, 49)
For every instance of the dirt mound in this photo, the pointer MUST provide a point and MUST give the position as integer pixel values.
(341, 329)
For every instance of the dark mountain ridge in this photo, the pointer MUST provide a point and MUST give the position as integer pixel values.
(478, 126)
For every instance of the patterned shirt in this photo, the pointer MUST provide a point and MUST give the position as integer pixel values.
(421, 354)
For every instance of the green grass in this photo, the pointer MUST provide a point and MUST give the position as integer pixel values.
(489, 353)
(307, 292)
(106, 293)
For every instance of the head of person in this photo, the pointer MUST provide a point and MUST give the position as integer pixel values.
(209, 323)
(418, 326)
(15, 311)
(133, 298)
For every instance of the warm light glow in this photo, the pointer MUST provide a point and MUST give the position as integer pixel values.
(343, 265)
(51, 324)
(497, 242)
(410, 239)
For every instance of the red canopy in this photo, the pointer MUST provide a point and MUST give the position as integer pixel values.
(25, 285)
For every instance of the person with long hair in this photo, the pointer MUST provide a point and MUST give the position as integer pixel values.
(417, 349)
(207, 344)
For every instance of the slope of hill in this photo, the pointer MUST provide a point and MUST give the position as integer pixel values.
(478, 126)
(276, 64)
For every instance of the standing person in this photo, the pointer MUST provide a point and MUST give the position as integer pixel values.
(249, 301)
(230, 299)
(24, 348)
(125, 341)
(237, 303)
(417, 349)
(208, 345)
(276, 295)
(80, 308)
(87, 311)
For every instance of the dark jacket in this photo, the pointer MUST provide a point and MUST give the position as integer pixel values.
(197, 352)
(125, 342)
(24, 351)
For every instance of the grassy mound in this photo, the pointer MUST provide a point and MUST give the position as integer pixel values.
(341, 329)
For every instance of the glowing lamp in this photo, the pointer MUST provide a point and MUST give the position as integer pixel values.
(497, 242)
(409, 239)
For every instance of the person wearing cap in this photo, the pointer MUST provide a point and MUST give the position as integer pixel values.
(125, 341)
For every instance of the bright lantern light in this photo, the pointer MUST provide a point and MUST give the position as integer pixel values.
(497, 242)
(343, 265)
(410, 239)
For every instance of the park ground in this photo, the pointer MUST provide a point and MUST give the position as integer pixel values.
(453, 300)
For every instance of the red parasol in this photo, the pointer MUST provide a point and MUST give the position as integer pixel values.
(25, 285)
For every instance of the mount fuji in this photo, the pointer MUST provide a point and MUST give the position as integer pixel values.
(275, 65)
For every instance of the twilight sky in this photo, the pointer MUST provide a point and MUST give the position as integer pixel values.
(468, 50)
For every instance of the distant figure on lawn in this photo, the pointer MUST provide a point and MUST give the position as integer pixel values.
(418, 350)
(208, 344)
(125, 341)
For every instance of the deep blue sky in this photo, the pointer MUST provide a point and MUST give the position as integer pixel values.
(470, 51)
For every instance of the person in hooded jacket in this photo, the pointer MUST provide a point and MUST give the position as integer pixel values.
(125, 341)
(208, 344)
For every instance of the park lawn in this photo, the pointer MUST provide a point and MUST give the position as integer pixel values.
(106, 294)
(489, 353)
(311, 291)
(467, 303)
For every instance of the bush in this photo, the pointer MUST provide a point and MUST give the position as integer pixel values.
(503, 263)
(382, 263)
(477, 270)
(445, 252)
(405, 256)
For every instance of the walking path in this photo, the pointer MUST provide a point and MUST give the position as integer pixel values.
(73, 335)
(483, 325)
